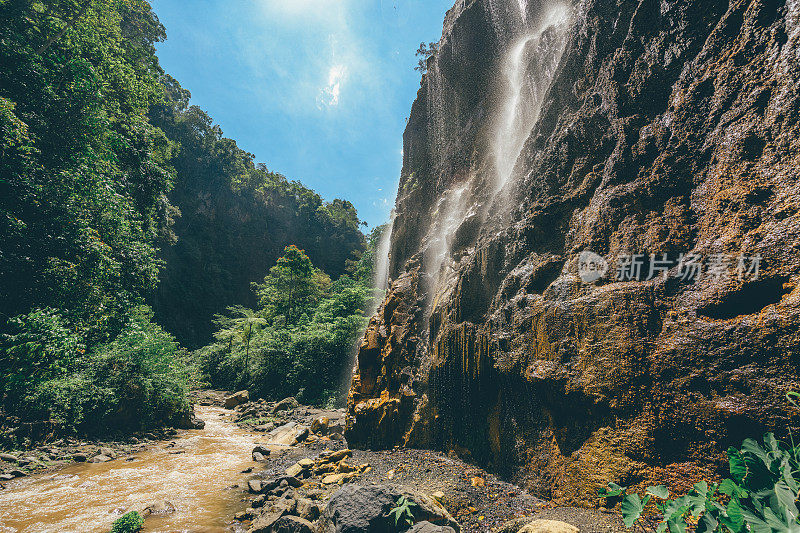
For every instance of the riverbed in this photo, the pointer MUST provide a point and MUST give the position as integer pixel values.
(197, 472)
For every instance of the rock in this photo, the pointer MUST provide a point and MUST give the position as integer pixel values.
(7, 457)
(100, 459)
(264, 523)
(363, 509)
(7, 477)
(159, 508)
(79, 457)
(263, 450)
(292, 524)
(320, 425)
(300, 435)
(258, 457)
(333, 479)
(336, 456)
(108, 452)
(307, 509)
(286, 404)
(548, 526)
(306, 463)
(254, 486)
(294, 470)
(188, 420)
(17, 473)
(236, 399)
(283, 435)
(427, 527)
(438, 495)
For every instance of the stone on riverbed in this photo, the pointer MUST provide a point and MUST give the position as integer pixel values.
(237, 399)
(7, 457)
(292, 524)
(427, 527)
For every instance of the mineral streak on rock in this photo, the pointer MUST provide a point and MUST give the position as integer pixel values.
(669, 127)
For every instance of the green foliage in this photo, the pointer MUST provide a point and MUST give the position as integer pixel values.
(424, 52)
(128, 523)
(137, 381)
(84, 173)
(761, 495)
(403, 513)
(293, 287)
(306, 333)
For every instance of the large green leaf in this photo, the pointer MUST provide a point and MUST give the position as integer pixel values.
(632, 507)
(659, 491)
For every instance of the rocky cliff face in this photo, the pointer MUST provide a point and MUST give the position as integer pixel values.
(664, 130)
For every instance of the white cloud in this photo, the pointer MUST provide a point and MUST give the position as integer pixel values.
(329, 95)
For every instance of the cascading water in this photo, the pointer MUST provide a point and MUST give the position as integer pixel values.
(527, 71)
(523, 77)
(381, 276)
(380, 282)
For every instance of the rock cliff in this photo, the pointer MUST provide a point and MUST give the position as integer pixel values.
(596, 246)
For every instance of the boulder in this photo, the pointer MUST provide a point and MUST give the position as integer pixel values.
(79, 457)
(188, 420)
(300, 435)
(158, 508)
(108, 452)
(307, 509)
(283, 435)
(295, 470)
(237, 399)
(100, 459)
(259, 457)
(7, 457)
(286, 404)
(260, 448)
(364, 509)
(320, 425)
(254, 486)
(264, 523)
(548, 526)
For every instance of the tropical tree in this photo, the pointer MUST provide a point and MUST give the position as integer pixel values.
(292, 288)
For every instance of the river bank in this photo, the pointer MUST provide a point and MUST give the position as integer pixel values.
(251, 460)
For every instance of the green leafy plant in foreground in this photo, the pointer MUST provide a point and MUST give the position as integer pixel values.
(403, 513)
(760, 497)
(128, 523)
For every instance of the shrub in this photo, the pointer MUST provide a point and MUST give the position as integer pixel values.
(760, 497)
(136, 381)
(128, 523)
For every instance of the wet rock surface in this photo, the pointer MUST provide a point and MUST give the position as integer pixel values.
(668, 128)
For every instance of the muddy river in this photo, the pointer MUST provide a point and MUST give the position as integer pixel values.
(195, 475)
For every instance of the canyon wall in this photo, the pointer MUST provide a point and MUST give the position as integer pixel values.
(656, 134)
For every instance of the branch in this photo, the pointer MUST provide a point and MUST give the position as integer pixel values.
(60, 34)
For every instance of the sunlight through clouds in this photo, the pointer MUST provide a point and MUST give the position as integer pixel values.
(329, 95)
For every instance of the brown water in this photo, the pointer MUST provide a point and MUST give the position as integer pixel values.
(88, 498)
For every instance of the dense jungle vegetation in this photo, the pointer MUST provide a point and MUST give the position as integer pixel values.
(110, 182)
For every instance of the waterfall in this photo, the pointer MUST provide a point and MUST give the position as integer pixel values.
(381, 275)
(528, 69)
(523, 77)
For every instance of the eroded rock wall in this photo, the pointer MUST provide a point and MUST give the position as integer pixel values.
(670, 127)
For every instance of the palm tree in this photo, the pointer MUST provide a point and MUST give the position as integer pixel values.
(242, 322)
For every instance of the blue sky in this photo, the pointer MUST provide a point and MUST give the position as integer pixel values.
(318, 90)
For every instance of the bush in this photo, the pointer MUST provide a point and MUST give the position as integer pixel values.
(760, 497)
(136, 381)
(128, 523)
